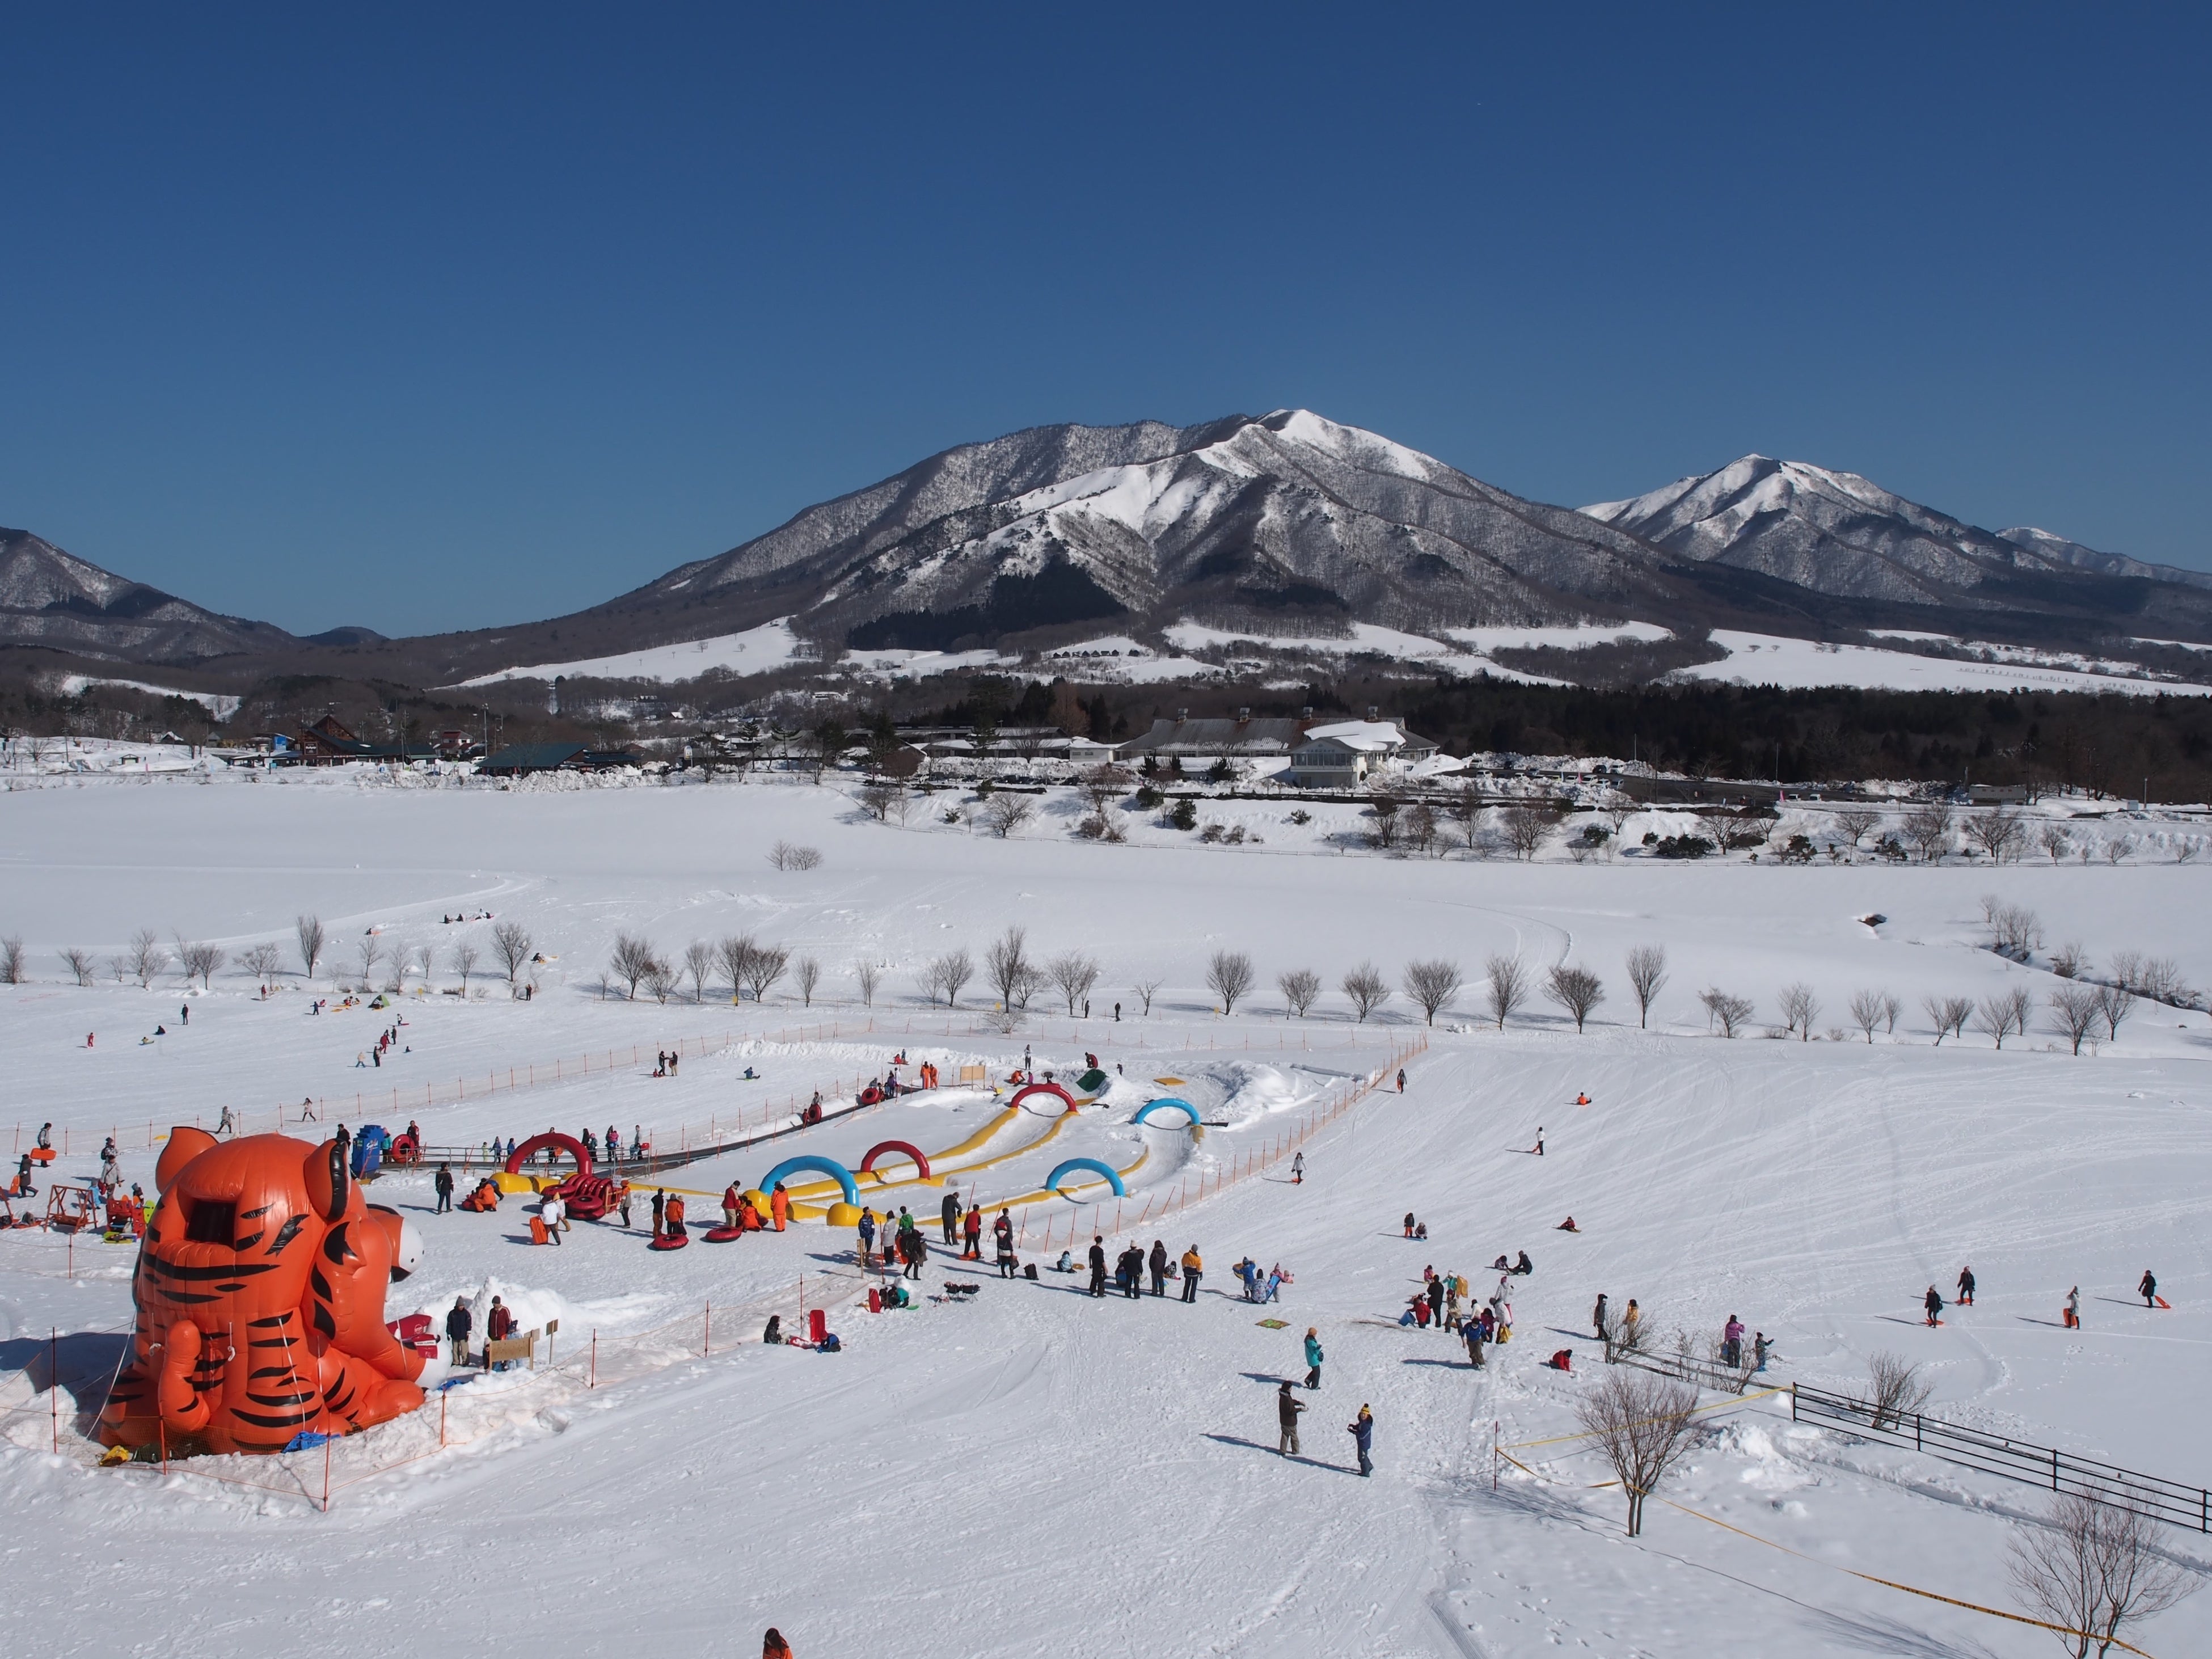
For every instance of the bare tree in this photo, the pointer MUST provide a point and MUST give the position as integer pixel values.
(1856, 824)
(1004, 813)
(1725, 1011)
(11, 960)
(1368, 990)
(510, 944)
(1641, 1422)
(2118, 847)
(1509, 986)
(2000, 832)
(1007, 968)
(2114, 1004)
(1074, 974)
(81, 964)
(1432, 984)
(870, 976)
(146, 957)
(1799, 1009)
(1647, 972)
(2075, 1007)
(878, 801)
(1895, 1388)
(1949, 1015)
(1299, 987)
(424, 955)
(698, 962)
(1147, 989)
(766, 966)
(1891, 1008)
(367, 952)
(308, 930)
(806, 974)
(1527, 829)
(2015, 930)
(736, 951)
(1228, 976)
(2053, 839)
(1867, 1008)
(1929, 827)
(632, 960)
(661, 979)
(2069, 960)
(467, 955)
(1575, 989)
(2005, 1012)
(2095, 1568)
(786, 856)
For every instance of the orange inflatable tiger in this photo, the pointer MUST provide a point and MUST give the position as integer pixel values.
(260, 1294)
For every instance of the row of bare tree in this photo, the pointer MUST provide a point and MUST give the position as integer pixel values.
(145, 958)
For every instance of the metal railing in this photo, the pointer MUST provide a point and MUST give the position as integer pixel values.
(2046, 1467)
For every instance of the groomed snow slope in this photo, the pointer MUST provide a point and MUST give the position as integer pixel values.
(1038, 1472)
(1774, 660)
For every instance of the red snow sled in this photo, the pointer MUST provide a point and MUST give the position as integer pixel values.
(724, 1234)
(670, 1242)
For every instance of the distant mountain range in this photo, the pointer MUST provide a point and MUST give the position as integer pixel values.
(1285, 525)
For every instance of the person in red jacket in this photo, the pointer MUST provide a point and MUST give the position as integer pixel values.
(973, 1227)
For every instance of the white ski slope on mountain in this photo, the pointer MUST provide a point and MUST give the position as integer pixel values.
(1039, 1472)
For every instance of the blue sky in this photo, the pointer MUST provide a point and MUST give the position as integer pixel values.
(477, 314)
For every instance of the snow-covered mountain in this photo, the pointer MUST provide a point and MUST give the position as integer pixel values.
(49, 598)
(1288, 516)
(1837, 534)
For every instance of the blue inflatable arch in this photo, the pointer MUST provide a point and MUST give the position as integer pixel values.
(1059, 1171)
(1167, 1102)
(829, 1166)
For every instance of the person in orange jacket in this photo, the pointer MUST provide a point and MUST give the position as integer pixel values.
(779, 1203)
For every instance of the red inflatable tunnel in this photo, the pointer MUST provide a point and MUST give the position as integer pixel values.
(1051, 1088)
(536, 1144)
(921, 1158)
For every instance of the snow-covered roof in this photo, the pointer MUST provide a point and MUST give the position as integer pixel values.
(1373, 737)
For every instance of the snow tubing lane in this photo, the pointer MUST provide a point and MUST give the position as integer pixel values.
(1052, 1181)
(1051, 1088)
(919, 1158)
(829, 1166)
(670, 1242)
(1166, 1103)
(567, 1144)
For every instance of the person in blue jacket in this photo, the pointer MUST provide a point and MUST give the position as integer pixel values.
(1362, 1430)
(1313, 1358)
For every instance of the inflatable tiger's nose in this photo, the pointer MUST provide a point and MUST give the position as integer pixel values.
(260, 1300)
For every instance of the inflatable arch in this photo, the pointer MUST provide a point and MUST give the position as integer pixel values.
(1058, 1093)
(905, 1147)
(829, 1166)
(1167, 1102)
(1052, 1181)
(536, 1144)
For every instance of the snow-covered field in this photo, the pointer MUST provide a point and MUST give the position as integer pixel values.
(1037, 1472)
(1774, 660)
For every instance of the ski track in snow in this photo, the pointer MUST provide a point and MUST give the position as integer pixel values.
(1041, 1473)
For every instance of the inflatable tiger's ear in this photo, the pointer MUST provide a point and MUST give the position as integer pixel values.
(185, 1144)
(329, 1186)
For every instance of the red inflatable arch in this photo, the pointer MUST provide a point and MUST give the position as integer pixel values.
(1051, 1088)
(906, 1147)
(536, 1144)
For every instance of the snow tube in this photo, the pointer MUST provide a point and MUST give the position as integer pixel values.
(1053, 1089)
(589, 1197)
(871, 1095)
(536, 1143)
(669, 1242)
(405, 1149)
(723, 1234)
(921, 1158)
(1052, 1181)
(1167, 1102)
(829, 1166)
